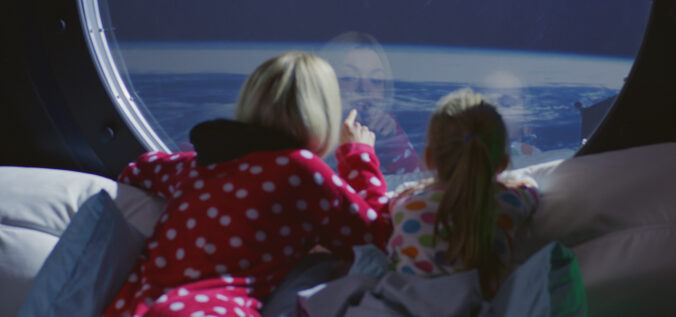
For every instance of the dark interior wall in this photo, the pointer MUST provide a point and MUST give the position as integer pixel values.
(56, 111)
(645, 111)
(28, 137)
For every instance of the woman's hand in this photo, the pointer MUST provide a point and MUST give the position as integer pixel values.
(380, 121)
(353, 131)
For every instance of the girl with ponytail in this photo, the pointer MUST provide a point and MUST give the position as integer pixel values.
(463, 218)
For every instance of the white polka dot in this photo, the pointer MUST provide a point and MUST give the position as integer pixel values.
(220, 268)
(350, 189)
(228, 279)
(260, 236)
(354, 208)
(285, 231)
(319, 179)
(353, 174)
(244, 264)
(133, 278)
(383, 199)
(371, 214)
(165, 177)
(178, 193)
(294, 180)
(193, 174)
(205, 197)
(282, 160)
(228, 187)
(306, 154)
(180, 254)
(119, 304)
(269, 186)
(152, 245)
(182, 292)
(301, 205)
(179, 167)
(191, 273)
(199, 313)
(190, 223)
(336, 203)
(243, 166)
(225, 220)
(201, 298)
(212, 212)
(375, 181)
(126, 180)
(158, 168)
(324, 204)
(135, 171)
(362, 193)
(288, 250)
(171, 234)
(239, 312)
(152, 159)
(220, 310)
(241, 193)
(147, 183)
(239, 301)
(199, 184)
(193, 164)
(174, 157)
(210, 248)
(236, 242)
(211, 167)
(252, 213)
(365, 157)
(200, 242)
(307, 226)
(162, 298)
(336, 180)
(160, 262)
(183, 206)
(222, 297)
(267, 257)
(277, 208)
(368, 238)
(345, 230)
(256, 170)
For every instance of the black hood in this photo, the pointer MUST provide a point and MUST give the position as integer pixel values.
(224, 140)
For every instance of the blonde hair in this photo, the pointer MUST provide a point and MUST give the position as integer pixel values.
(296, 93)
(466, 145)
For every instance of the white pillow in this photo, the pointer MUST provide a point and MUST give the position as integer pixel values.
(586, 197)
(630, 272)
(617, 211)
(36, 205)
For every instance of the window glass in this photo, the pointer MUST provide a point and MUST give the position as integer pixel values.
(543, 62)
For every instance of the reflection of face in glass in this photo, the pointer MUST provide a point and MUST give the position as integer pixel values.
(505, 90)
(362, 80)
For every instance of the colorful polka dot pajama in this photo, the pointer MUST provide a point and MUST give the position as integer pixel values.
(412, 247)
(231, 231)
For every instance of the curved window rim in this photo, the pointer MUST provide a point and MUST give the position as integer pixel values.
(95, 34)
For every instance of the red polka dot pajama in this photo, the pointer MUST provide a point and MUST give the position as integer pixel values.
(231, 231)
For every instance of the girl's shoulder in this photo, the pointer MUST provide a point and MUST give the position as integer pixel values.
(423, 191)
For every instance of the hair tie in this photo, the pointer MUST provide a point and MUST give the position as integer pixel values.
(469, 136)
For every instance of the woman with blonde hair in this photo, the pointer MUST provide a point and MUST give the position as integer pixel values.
(463, 218)
(255, 197)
